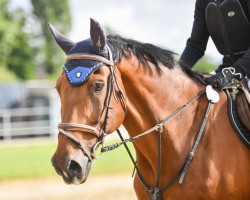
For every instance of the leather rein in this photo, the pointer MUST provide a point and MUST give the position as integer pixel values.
(100, 133)
(155, 193)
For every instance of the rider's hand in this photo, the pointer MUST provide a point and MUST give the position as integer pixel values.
(224, 78)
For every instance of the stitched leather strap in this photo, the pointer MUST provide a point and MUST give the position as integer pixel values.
(80, 144)
(79, 127)
(83, 56)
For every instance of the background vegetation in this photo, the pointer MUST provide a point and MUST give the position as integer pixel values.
(28, 51)
(33, 161)
(26, 44)
(27, 48)
(205, 65)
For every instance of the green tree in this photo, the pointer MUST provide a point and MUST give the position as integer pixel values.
(57, 12)
(109, 30)
(16, 55)
(205, 65)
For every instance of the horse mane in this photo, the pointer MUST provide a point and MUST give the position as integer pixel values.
(199, 77)
(145, 52)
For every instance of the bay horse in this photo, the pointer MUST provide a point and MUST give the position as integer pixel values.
(111, 80)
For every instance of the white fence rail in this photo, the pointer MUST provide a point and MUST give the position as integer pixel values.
(29, 122)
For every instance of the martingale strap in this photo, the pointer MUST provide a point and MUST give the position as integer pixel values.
(156, 192)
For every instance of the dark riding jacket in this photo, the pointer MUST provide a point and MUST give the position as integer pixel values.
(228, 24)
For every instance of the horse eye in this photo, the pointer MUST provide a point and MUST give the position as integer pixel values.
(98, 87)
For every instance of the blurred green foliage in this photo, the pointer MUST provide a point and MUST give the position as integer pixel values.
(205, 65)
(15, 53)
(6, 75)
(56, 12)
(27, 50)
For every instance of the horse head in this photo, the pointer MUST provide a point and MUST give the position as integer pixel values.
(88, 87)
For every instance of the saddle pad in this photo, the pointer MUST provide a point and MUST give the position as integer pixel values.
(239, 127)
(243, 109)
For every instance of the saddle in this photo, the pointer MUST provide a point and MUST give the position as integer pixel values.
(243, 106)
(239, 110)
(238, 104)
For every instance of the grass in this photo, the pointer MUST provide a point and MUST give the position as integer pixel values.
(33, 161)
(113, 162)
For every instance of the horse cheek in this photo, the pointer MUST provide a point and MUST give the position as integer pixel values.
(117, 116)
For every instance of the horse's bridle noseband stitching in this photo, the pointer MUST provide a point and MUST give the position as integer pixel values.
(65, 128)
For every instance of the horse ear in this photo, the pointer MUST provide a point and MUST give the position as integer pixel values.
(65, 43)
(97, 35)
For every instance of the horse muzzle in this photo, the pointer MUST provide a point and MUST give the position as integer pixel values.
(74, 169)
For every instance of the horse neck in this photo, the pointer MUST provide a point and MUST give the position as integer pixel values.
(150, 98)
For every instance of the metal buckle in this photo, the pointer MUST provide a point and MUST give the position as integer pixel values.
(159, 128)
(95, 147)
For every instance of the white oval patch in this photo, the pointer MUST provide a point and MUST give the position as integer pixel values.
(212, 94)
(78, 74)
(231, 14)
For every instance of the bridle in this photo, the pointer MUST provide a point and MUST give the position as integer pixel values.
(100, 133)
(65, 128)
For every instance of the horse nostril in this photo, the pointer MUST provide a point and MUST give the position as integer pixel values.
(56, 167)
(74, 168)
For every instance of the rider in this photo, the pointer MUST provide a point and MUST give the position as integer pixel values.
(228, 24)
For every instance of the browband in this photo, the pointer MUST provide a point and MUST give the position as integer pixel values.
(84, 56)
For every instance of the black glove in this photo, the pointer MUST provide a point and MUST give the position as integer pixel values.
(224, 78)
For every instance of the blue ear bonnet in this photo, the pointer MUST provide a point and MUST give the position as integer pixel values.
(78, 71)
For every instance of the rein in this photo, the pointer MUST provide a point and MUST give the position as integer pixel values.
(156, 192)
(157, 127)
